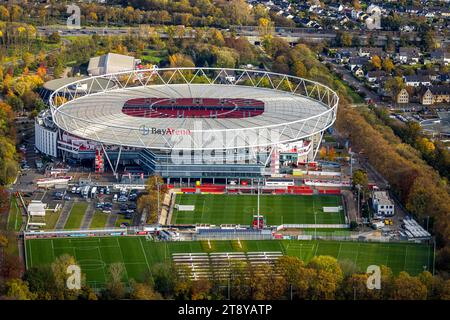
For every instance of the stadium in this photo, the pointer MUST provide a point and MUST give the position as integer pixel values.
(185, 123)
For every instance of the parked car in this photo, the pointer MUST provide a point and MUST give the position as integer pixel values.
(67, 197)
(132, 197)
(123, 199)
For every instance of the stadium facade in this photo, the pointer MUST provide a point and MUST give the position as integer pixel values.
(185, 123)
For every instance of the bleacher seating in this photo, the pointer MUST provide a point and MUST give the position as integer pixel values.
(193, 108)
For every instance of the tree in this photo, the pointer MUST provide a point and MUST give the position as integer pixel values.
(59, 269)
(323, 285)
(143, 291)
(297, 277)
(153, 200)
(346, 39)
(323, 152)
(265, 284)
(225, 58)
(181, 60)
(329, 264)
(331, 154)
(407, 287)
(357, 5)
(17, 289)
(115, 288)
(41, 282)
(201, 290)
(393, 86)
(376, 62)
(388, 65)
(55, 37)
(360, 177)
(265, 27)
(299, 69)
(164, 277)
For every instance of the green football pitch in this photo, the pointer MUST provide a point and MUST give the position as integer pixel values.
(138, 255)
(239, 209)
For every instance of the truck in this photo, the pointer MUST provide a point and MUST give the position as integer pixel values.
(85, 191)
(93, 192)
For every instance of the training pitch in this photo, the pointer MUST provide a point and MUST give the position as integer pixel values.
(139, 255)
(239, 209)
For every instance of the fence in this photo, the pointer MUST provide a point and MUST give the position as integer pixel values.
(313, 226)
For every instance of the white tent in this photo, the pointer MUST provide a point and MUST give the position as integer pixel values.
(36, 208)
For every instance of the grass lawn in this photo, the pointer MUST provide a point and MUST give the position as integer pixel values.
(51, 218)
(14, 216)
(98, 220)
(153, 56)
(76, 215)
(356, 98)
(121, 220)
(139, 255)
(239, 209)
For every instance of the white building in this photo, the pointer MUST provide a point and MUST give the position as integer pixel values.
(45, 138)
(110, 63)
(382, 204)
(36, 208)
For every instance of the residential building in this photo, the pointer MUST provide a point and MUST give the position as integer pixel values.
(402, 96)
(358, 72)
(375, 76)
(417, 81)
(357, 62)
(441, 94)
(371, 51)
(408, 55)
(426, 97)
(440, 56)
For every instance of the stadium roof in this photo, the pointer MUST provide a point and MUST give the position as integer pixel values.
(287, 117)
(55, 84)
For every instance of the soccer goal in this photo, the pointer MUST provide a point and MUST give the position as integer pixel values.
(184, 207)
(332, 209)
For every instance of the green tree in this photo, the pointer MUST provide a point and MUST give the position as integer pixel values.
(360, 177)
(407, 287)
(143, 291)
(17, 289)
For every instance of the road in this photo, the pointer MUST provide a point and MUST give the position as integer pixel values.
(347, 76)
(290, 34)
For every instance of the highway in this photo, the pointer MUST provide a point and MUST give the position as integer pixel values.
(292, 35)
